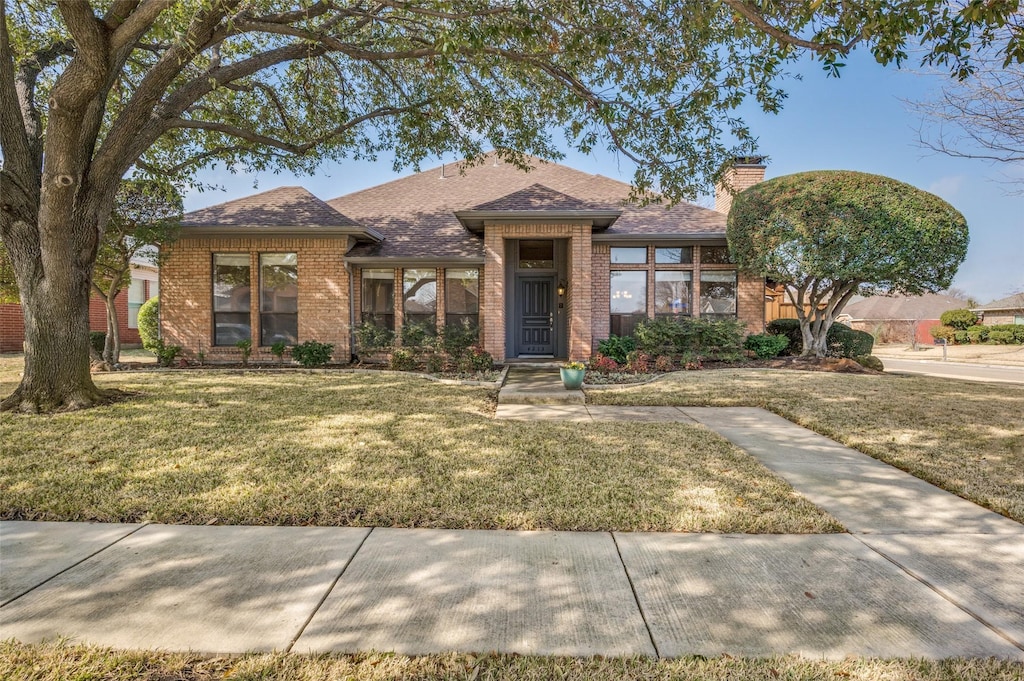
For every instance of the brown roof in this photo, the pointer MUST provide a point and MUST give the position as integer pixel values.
(535, 197)
(281, 207)
(1011, 302)
(907, 308)
(416, 213)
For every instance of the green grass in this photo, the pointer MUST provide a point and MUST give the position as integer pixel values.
(59, 661)
(353, 449)
(963, 436)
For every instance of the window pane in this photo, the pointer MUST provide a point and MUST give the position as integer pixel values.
(683, 255)
(672, 293)
(628, 292)
(154, 288)
(461, 292)
(419, 291)
(718, 294)
(714, 255)
(231, 297)
(536, 255)
(379, 298)
(629, 256)
(136, 297)
(279, 298)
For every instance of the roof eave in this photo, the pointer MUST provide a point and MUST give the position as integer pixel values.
(365, 234)
(474, 220)
(403, 261)
(653, 237)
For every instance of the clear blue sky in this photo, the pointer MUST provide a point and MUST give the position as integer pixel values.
(856, 122)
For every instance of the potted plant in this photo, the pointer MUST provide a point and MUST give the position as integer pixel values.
(572, 375)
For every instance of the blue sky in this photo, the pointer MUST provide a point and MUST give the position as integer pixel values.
(856, 122)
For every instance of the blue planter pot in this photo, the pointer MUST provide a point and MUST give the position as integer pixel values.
(572, 379)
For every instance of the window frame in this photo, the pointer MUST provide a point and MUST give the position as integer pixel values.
(213, 298)
(455, 319)
(371, 316)
(264, 313)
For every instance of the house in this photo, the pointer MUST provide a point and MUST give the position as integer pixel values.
(1008, 310)
(899, 319)
(143, 286)
(544, 263)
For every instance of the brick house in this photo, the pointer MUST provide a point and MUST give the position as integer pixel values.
(545, 263)
(1008, 310)
(144, 285)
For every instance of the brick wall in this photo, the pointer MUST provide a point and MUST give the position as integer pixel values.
(600, 276)
(186, 305)
(12, 327)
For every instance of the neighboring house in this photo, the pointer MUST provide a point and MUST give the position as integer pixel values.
(1008, 310)
(899, 319)
(144, 285)
(545, 263)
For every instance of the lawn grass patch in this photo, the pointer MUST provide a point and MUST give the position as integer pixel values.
(965, 437)
(342, 449)
(59, 661)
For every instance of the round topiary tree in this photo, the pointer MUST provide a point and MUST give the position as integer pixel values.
(149, 323)
(828, 235)
(961, 319)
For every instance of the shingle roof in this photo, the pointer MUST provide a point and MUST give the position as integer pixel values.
(416, 213)
(1011, 302)
(928, 306)
(535, 197)
(281, 207)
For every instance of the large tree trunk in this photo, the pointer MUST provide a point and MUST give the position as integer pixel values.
(56, 373)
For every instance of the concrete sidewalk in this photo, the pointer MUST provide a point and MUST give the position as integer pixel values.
(922, 573)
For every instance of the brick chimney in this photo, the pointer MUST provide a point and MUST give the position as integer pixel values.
(745, 171)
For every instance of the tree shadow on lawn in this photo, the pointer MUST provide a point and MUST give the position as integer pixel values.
(364, 450)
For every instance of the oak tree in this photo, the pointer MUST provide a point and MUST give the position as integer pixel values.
(829, 235)
(145, 217)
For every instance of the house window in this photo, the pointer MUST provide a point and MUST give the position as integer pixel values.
(154, 289)
(628, 300)
(419, 298)
(536, 255)
(231, 296)
(714, 255)
(462, 298)
(279, 298)
(681, 255)
(379, 298)
(629, 255)
(136, 297)
(673, 293)
(718, 295)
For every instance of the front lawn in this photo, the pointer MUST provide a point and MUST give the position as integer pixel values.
(963, 436)
(56, 662)
(335, 448)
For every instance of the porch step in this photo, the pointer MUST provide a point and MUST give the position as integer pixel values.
(535, 385)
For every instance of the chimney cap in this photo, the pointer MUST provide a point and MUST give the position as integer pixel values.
(748, 161)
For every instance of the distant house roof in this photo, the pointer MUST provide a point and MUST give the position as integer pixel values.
(289, 209)
(417, 213)
(903, 308)
(1011, 302)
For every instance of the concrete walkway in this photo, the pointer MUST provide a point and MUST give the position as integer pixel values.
(922, 573)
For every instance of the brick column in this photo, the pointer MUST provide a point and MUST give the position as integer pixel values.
(581, 288)
(492, 304)
(750, 301)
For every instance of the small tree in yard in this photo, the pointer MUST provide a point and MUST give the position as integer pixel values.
(145, 217)
(828, 235)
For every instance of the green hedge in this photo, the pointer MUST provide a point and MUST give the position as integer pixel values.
(765, 345)
(711, 339)
(149, 323)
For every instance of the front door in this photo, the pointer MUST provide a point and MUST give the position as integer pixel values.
(535, 304)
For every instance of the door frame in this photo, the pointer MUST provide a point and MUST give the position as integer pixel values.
(560, 332)
(552, 279)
